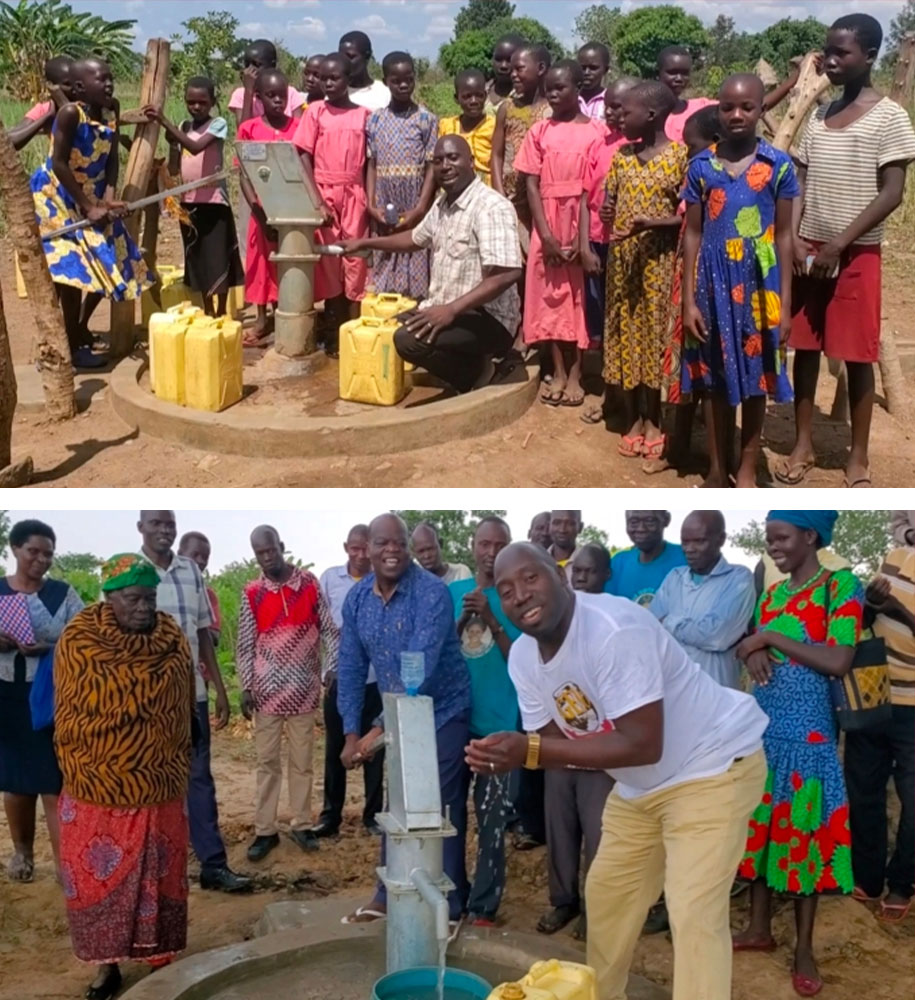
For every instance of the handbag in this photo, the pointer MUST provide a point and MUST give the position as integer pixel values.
(41, 697)
(861, 698)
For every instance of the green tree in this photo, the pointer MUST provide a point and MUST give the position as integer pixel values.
(4, 533)
(31, 32)
(591, 533)
(82, 571)
(598, 23)
(860, 536)
(454, 527)
(787, 38)
(477, 14)
(210, 47)
(640, 35)
(473, 49)
(727, 48)
(900, 26)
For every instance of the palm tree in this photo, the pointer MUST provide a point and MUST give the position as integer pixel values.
(32, 32)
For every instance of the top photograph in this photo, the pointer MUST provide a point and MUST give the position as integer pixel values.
(456, 243)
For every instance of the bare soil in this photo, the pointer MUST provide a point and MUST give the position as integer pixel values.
(858, 956)
(546, 447)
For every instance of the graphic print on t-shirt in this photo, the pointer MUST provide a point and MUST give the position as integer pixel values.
(578, 713)
(476, 639)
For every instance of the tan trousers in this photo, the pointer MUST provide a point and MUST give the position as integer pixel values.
(687, 840)
(268, 732)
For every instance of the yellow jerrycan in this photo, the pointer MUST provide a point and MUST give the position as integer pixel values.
(213, 364)
(172, 292)
(551, 980)
(371, 371)
(235, 302)
(167, 331)
(387, 305)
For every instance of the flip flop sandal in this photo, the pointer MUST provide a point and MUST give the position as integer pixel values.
(893, 913)
(655, 449)
(862, 897)
(595, 415)
(769, 945)
(568, 400)
(806, 986)
(363, 915)
(794, 474)
(861, 483)
(552, 398)
(20, 869)
(630, 445)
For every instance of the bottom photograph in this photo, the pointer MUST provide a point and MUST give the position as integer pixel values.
(511, 754)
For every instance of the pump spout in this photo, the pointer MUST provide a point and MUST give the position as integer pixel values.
(434, 898)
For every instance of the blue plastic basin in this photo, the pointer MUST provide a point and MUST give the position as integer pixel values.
(420, 984)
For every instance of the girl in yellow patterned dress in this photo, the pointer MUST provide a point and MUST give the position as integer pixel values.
(76, 182)
(642, 197)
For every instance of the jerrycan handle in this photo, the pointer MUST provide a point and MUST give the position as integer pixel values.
(373, 321)
(389, 297)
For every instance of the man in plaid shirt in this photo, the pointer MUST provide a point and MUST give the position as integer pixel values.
(472, 312)
(283, 622)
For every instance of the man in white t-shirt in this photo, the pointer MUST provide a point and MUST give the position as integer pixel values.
(601, 684)
(356, 46)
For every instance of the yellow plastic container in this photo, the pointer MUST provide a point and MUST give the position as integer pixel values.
(371, 371)
(213, 364)
(551, 980)
(21, 290)
(167, 332)
(235, 304)
(171, 291)
(387, 305)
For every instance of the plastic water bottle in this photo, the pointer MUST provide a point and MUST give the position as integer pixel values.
(391, 216)
(412, 671)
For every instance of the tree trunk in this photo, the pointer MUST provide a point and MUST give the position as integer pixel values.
(20, 473)
(51, 347)
(802, 99)
(140, 169)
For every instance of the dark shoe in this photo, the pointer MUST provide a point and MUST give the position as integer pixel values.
(374, 829)
(324, 830)
(306, 839)
(657, 921)
(109, 988)
(555, 919)
(261, 846)
(225, 880)
(525, 842)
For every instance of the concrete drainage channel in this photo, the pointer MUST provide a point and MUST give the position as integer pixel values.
(274, 432)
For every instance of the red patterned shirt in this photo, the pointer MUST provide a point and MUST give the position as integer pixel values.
(281, 630)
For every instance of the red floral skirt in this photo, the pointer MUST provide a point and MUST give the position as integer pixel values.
(124, 875)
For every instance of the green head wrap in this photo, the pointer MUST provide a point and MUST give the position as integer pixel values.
(128, 570)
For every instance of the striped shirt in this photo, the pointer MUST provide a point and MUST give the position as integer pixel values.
(899, 569)
(843, 166)
(183, 595)
(477, 231)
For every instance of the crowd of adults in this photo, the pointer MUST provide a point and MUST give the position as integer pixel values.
(660, 718)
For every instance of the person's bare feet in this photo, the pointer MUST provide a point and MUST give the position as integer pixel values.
(716, 482)
(857, 476)
(745, 481)
(793, 470)
(804, 965)
(753, 940)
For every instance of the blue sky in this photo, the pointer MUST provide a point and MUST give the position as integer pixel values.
(307, 26)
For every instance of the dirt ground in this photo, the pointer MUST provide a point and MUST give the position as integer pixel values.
(858, 957)
(547, 446)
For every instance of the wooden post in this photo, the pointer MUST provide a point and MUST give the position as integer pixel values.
(803, 98)
(140, 169)
(151, 239)
(52, 350)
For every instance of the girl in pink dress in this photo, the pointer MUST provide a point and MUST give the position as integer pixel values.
(675, 66)
(260, 272)
(331, 136)
(555, 156)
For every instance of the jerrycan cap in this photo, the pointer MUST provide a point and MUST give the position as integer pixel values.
(512, 991)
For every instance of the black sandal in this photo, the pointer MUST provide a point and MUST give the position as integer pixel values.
(555, 919)
(109, 988)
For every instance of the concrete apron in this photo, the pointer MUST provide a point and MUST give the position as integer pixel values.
(313, 935)
(241, 431)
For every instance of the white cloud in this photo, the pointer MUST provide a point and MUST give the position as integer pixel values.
(254, 28)
(290, 3)
(439, 28)
(308, 27)
(375, 24)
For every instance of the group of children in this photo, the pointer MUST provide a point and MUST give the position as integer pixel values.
(657, 228)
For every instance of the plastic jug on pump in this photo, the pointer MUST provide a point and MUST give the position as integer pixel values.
(213, 364)
(371, 370)
(167, 331)
(551, 980)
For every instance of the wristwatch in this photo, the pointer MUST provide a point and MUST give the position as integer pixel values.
(532, 761)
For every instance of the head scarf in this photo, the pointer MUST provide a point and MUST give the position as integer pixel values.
(128, 570)
(820, 521)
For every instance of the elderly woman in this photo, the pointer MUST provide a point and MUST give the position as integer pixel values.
(125, 698)
(36, 609)
(807, 627)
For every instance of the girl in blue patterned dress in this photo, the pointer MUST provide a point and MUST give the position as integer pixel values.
(78, 181)
(737, 261)
(799, 842)
(400, 140)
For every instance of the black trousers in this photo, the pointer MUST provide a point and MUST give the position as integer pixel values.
(870, 759)
(335, 772)
(459, 352)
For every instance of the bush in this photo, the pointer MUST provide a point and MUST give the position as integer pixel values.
(473, 49)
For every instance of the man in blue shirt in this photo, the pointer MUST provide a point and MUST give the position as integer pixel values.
(486, 636)
(707, 604)
(637, 573)
(399, 608)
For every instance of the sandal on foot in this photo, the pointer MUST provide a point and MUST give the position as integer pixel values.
(593, 415)
(630, 445)
(551, 397)
(793, 473)
(20, 869)
(655, 449)
(806, 986)
(572, 400)
(861, 896)
(893, 913)
(859, 483)
(109, 987)
(554, 920)
(769, 945)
